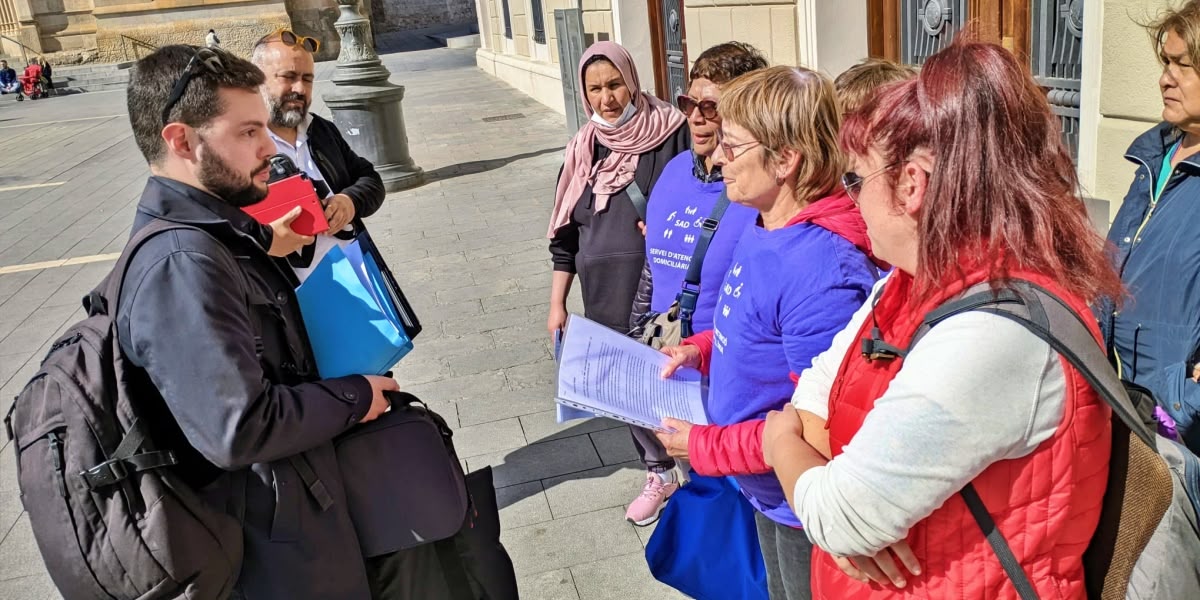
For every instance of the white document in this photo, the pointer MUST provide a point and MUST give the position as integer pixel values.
(611, 375)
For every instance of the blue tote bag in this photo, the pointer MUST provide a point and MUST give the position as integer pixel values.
(706, 543)
(353, 322)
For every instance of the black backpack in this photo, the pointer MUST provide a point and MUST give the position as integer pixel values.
(111, 517)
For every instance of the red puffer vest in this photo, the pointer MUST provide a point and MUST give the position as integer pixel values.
(1047, 504)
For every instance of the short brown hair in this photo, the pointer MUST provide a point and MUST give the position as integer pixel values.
(858, 83)
(1184, 21)
(725, 62)
(790, 107)
(150, 86)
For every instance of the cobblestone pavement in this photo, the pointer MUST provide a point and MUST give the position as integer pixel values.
(469, 249)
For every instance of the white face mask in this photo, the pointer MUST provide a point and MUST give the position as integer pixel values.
(630, 110)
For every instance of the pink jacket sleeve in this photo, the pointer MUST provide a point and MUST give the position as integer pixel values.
(736, 449)
(703, 341)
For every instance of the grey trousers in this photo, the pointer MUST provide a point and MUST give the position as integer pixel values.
(652, 452)
(787, 554)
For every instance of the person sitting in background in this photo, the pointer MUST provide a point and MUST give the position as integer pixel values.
(8, 80)
(859, 83)
(795, 278)
(877, 446)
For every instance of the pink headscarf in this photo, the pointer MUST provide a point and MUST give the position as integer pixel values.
(654, 122)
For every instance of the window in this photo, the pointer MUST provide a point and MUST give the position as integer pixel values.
(539, 22)
(507, 19)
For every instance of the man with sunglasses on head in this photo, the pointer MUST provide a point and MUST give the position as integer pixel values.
(351, 186)
(210, 318)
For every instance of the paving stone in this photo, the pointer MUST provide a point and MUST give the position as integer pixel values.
(523, 504)
(20, 552)
(595, 580)
(556, 544)
(39, 587)
(539, 461)
(513, 355)
(615, 445)
(488, 438)
(503, 403)
(491, 321)
(524, 299)
(458, 388)
(538, 376)
(550, 585)
(543, 426)
(644, 533)
(522, 334)
(474, 292)
(594, 489)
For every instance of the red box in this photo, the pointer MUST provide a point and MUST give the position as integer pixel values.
(286, 194)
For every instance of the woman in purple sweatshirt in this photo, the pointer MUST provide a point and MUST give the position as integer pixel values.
(682, 199)
(796, 278)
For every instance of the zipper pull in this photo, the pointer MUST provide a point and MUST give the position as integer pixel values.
(56, 458)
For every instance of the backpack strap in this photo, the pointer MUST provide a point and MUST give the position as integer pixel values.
(637, 198)
(689, 296)
(1012, 567)
(104, 298)
(1052, 320)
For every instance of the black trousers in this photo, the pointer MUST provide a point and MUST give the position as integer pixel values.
(787, 554)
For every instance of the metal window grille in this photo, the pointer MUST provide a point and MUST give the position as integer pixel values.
(1057, 60)
(507, 19)
(539, 21)
(927, 26)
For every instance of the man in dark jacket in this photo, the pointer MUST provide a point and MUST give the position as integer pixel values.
(1155, 334)
(211, 318)
(313, 143)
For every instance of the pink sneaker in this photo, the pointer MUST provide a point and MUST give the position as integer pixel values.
(645, 508)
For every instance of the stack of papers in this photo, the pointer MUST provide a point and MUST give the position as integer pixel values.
(601, 372)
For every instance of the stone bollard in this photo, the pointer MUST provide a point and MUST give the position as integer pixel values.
(367, 107)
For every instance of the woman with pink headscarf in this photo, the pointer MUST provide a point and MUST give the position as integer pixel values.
(614, 160)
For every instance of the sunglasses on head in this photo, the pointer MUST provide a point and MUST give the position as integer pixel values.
(205, 59)
(290, 38)
(687, 104)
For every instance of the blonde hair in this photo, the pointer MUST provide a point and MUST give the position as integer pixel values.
(1184, 21)
(858, 83)
(790, 107)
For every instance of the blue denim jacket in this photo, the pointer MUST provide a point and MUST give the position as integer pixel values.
(1156, 331)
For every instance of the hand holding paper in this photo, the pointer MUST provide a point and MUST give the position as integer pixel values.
(604, 372)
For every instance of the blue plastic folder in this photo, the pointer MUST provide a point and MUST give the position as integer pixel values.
(352, 324)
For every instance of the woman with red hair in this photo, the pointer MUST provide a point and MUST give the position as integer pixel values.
(963, 180)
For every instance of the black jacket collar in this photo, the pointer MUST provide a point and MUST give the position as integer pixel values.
(178, 202)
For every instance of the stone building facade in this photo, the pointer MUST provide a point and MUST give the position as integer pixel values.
(71, 31)
(1095, 48)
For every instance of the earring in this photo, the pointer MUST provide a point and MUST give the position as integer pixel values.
(779, 181)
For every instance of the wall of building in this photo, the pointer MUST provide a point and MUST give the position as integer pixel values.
(1120, 94)
(532, 67)
(769, 26)
(239, 24)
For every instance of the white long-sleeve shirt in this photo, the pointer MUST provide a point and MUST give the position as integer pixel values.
(977, 389)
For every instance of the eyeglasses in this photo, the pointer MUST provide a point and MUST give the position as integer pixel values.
(289, 37)
(205, 57)
(729, 148)
(853, 182)
(708, 108)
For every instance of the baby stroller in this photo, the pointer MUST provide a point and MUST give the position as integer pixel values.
(32, 82)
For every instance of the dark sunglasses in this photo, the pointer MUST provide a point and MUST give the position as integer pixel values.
(205, 58)
(853, 182)
(687, 104)
(290, 38)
